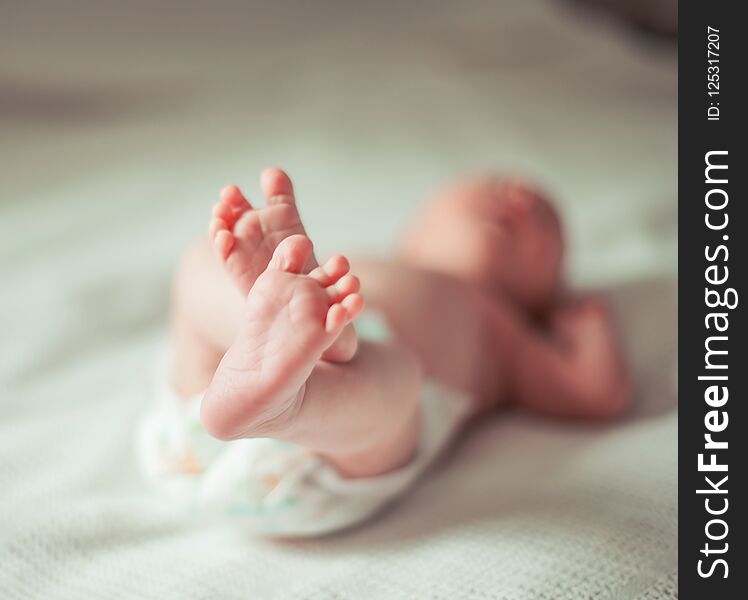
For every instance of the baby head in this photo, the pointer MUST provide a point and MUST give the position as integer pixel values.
(499, 233)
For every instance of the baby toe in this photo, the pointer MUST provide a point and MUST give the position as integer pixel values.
(223, 243)
(337, 318)
(222, 210)
(343, 312)
(348, 284)
(291, 254)
(233, 197)
(276, 186)
(353, 304)
(330, 272)
(216, 225)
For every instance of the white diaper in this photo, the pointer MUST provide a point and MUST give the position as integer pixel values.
(277, 488)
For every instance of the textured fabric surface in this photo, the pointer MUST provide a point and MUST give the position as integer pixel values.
(274, 488)
(115, 138)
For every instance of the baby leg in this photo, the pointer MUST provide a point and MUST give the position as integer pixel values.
(478, 344)
(461, 334)
(205, 311)
(361, 415)
(215, 276)
(455, 331)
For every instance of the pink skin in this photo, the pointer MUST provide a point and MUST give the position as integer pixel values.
(477, 272)
(505, 237)
(272, 381)
(245, 238)
(501, 234)
(289, 321)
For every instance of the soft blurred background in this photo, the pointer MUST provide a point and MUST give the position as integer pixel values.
(119, 123)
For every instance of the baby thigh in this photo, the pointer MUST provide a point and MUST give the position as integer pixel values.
(458, 333)
(205, 312)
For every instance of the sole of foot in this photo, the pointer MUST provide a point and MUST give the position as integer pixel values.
(244, 239)
(291, 319)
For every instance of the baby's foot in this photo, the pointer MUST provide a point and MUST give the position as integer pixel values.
(245, 238)
(290, 320)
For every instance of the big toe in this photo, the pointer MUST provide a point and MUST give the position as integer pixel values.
(276, 186)
(291, 254)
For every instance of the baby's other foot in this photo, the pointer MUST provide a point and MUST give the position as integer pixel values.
(245, 237)
(291, 319)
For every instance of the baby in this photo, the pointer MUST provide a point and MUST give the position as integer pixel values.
(322, 423)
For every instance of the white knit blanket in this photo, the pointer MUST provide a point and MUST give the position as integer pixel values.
(114, 140)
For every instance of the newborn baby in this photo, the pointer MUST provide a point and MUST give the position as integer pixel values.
(295, 410)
